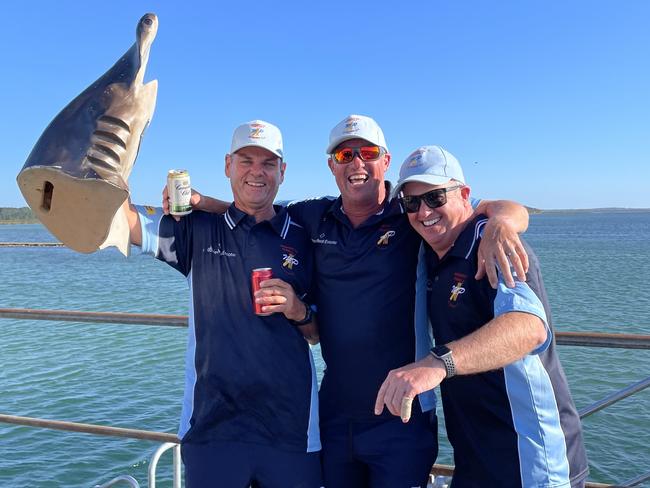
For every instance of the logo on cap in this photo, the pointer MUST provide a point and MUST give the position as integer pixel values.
(351, 125)
(414, 160)
(257, 131)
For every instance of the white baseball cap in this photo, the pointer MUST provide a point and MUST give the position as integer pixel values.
(429, 164)
(257, 133)
(356, 127)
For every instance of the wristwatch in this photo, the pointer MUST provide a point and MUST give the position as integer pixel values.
(308, 317)
(444, 354)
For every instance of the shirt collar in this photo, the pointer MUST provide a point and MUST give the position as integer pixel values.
(389, 208)
(279, 222)
(469, 238)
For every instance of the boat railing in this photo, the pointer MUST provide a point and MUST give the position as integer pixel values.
(129, 480)
(170, 441)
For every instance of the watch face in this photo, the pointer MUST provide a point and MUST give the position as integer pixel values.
(440, 350)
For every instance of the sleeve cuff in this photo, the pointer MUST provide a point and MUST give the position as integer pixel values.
(521, 298)
(150, 218)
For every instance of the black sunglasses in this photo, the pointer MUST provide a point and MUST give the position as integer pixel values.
(434, 198)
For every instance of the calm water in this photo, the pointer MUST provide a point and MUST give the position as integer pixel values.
(596, 269)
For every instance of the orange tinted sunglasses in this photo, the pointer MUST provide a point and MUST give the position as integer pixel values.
(366, 153)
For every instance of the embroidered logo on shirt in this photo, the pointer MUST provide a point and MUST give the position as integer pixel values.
(383, 240)
(323, 240)
(289, 259)
(457, 288)
(220, 252)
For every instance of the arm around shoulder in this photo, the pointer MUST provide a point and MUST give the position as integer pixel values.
(508, 211)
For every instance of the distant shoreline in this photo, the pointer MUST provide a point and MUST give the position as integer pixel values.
(535, 211)
(23, 215)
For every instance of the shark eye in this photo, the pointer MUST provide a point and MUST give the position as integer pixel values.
(148, 21)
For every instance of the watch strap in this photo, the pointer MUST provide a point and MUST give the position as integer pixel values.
(447, 360)
(308, 317)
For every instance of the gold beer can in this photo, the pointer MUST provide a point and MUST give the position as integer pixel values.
(179, 192)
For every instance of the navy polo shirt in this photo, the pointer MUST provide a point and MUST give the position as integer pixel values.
(365, 295)
(248, 378)
(516, 426)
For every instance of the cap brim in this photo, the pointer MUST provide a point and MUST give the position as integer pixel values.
(252, 144)
(427, 179)
(333, 145)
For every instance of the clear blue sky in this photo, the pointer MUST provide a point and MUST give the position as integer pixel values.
(543, 102)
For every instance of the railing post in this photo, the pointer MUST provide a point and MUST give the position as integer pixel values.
(154, 463)
(177, 466)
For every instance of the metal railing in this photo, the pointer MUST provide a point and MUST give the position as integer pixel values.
(130, 480)
(170, 441)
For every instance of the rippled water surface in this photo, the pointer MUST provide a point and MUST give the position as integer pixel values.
(596, 269)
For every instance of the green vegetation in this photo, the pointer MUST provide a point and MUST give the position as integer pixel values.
(22, 215)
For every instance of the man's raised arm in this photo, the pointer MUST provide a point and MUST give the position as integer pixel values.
(500, 244)
(132, 217)
(198, 202)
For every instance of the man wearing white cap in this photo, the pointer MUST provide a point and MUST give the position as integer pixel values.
(366, 261)
(508, 411)
(250, 411)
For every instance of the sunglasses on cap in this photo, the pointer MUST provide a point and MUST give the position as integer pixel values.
(345, 155)
(434, 198)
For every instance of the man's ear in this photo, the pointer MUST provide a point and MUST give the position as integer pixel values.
(331, 164)
(386, 161)
(283, 168)
(228, 159)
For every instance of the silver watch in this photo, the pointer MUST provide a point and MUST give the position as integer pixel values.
(444, 354)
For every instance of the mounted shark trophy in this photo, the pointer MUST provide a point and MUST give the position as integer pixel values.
(75, 178)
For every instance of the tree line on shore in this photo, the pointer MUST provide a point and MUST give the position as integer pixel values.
(17, 215)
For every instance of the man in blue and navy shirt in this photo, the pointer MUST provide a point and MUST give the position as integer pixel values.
(366, 269)
(509, 414)
(250, 412)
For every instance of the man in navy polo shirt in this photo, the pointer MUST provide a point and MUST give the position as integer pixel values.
(366, 261)
(508, 410)
(250, 413)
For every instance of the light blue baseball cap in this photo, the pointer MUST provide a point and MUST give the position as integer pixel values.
(429, 164)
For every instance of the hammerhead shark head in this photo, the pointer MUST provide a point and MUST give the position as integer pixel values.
(75, 178)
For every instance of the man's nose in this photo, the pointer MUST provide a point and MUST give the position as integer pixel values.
(424, 211)
(357, 162)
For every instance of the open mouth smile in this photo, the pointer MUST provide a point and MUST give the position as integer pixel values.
(357, 179)
(429, 223)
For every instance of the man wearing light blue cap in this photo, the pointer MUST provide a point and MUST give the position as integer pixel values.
(508, 411)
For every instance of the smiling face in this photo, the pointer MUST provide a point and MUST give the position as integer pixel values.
(440, 227)
(255, 176)
(360, 182)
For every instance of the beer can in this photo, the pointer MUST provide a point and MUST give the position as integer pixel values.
(179, 191)
(259, 275)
